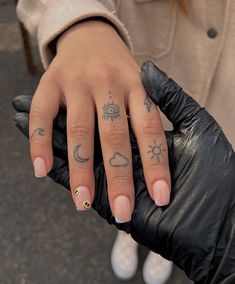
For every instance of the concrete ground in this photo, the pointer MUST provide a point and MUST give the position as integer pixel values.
(42, 237)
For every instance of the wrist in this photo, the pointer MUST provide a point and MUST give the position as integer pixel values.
(83, 29)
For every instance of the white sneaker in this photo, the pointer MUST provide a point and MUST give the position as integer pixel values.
(124, 258)
(156, 270)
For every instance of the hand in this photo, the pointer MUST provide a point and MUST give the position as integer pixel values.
(196, 231)
(94, 73)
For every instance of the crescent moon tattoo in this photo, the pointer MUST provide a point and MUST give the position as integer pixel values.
(76, 155)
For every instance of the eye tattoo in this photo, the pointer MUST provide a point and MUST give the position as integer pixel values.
(39, 132)
(148, 103)
(118, 160)
(76, 155)
(111, 110)
(156, 151)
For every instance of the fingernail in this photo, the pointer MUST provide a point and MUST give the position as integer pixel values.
(122, 209)
(40, 169)
(82, 198)
(161, 193)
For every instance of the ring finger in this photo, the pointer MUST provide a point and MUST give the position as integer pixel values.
(80, 135)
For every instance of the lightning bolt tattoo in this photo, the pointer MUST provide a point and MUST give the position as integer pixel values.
(148, 103)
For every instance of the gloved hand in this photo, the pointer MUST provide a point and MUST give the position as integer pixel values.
(196, 231)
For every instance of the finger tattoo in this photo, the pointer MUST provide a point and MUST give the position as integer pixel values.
(148, 103)
(118, 160)
(76, 155)
(111, 110)
(39, 132)
(156, 151)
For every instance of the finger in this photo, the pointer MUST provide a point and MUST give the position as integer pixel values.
(22, 103)
(44, 108)
(116, 149)
(171, 99)
(80, 136)
(59, 140)
(148, 129)
(22, 122)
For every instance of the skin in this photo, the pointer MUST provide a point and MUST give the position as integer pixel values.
(93, 73)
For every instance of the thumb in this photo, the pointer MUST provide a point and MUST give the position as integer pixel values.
(167, 95)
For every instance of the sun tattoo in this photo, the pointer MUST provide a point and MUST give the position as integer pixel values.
(156, 151)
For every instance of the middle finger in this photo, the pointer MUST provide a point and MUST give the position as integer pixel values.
(116, 149)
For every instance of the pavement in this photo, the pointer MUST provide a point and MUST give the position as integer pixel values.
(43, 239)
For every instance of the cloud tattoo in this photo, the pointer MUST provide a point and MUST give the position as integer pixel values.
(118, 160)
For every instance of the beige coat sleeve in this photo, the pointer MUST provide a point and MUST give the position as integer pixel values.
(46, 19)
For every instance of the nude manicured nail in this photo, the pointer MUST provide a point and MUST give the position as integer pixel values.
(40, 169)
(161, 193)
(82, 198)
(122, 209)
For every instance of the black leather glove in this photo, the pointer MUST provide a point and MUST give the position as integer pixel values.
(196, 230)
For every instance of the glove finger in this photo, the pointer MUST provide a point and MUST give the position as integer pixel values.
(59, 140)
(22, 103)
(169, 96)
(21, 120)
(60, 172)
(60, 121)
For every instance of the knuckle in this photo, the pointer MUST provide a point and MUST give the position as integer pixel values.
(153, 168)
(71, 78)
(36, 112)
(78, 130)
(137, 86)
(80, 174)
(160, 167)
(114, 135)
(105, 73)
(74, 83)
(40, 142)
(123, 182)
(47, 78)
(150, 127)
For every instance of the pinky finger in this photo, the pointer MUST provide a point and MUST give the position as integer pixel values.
(43, 110)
